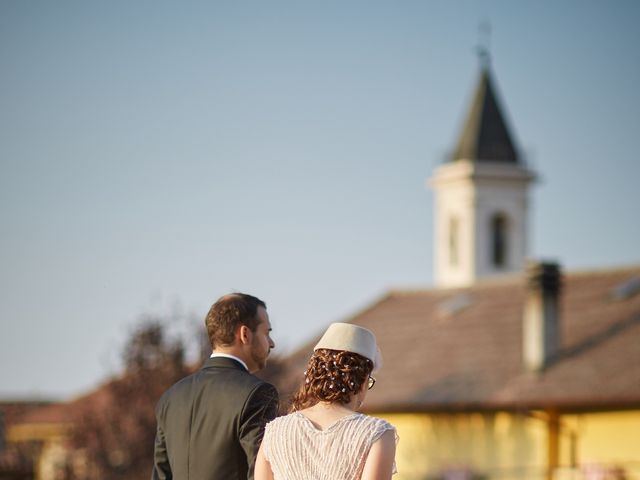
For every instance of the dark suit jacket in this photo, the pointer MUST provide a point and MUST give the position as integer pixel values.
(210, 424)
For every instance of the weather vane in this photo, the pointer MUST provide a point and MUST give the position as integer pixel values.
(483, 49)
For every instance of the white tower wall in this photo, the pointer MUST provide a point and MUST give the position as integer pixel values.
(471, 194)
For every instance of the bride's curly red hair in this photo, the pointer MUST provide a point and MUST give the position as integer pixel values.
(332, 376)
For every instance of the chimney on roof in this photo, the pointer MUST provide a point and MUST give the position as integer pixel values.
(541, 319)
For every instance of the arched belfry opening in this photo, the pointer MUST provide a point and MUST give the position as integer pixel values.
(454, 241)
(499, 231)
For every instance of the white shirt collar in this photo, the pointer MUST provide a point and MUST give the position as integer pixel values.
(226, 355)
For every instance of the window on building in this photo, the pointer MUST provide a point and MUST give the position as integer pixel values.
(454, 241)
(499, 240)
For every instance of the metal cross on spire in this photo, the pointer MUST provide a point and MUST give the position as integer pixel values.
(483, 49)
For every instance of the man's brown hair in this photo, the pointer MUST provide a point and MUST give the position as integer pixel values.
(230, 312)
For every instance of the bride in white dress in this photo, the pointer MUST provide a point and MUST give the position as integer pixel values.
(324, 438)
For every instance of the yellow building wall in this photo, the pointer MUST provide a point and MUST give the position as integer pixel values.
(602, 439)
(495, 445)
(43, 432)
(504, 446)
(50, 437)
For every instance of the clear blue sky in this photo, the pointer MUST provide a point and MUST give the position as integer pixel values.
(155, 155)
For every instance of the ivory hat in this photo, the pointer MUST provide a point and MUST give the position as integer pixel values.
(351, 338)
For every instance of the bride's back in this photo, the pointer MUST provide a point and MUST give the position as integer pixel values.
(296, 449)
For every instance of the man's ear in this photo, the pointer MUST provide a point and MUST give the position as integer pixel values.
(244, 334)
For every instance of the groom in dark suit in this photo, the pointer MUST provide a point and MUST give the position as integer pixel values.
(210, 424)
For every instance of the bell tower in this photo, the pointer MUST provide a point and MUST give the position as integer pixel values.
(481, 197)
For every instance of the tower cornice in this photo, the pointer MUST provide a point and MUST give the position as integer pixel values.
(468, 170)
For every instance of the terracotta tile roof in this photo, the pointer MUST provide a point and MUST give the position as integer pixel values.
(55, 413)
(13, 411)
(65, 412)
(461, 349)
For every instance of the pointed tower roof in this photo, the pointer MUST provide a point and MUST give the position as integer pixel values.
(485, 136)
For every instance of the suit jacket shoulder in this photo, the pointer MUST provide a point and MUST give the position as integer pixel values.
(220, 408)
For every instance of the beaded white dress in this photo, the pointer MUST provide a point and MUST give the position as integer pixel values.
(297, 450)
